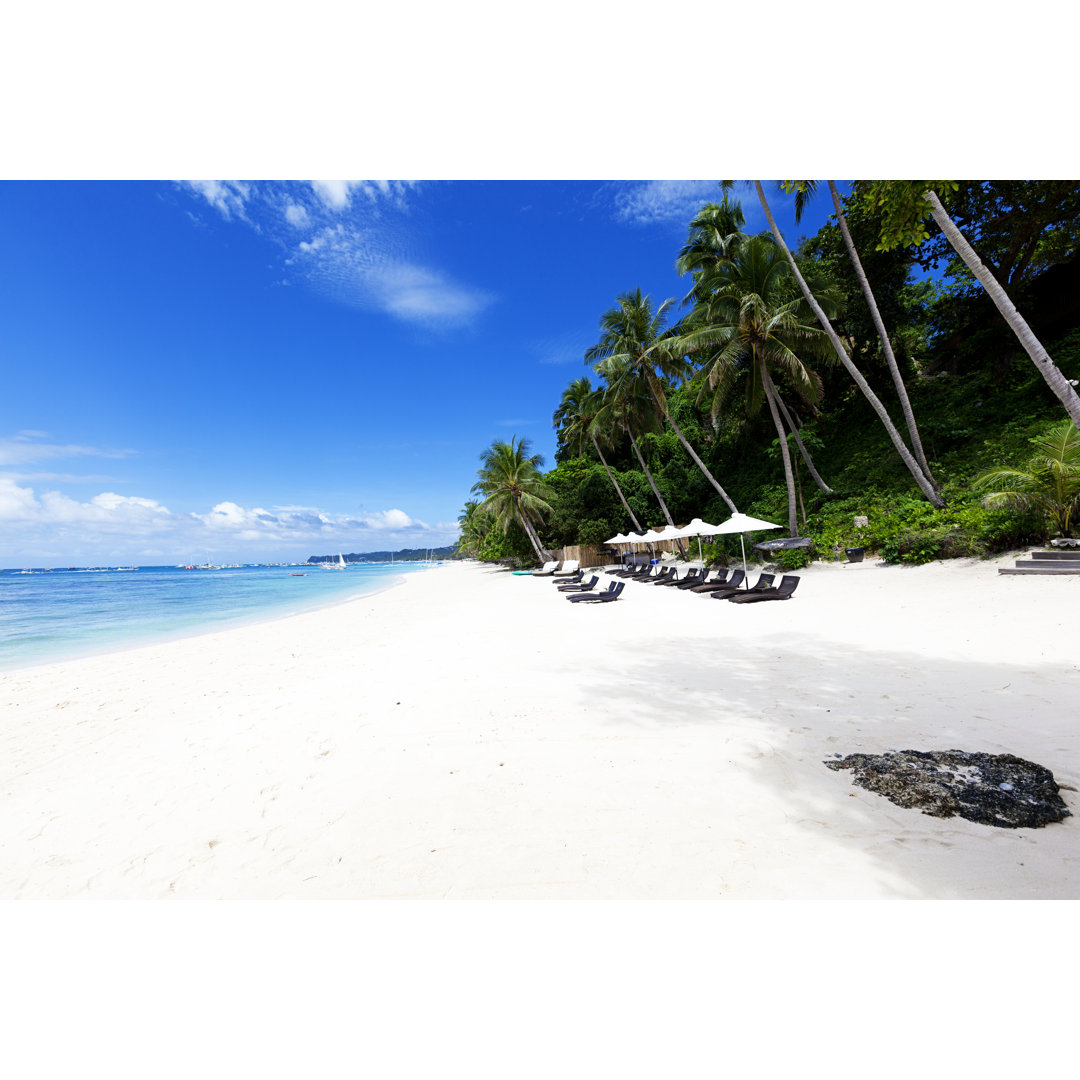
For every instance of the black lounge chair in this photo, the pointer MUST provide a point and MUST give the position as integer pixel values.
(697, 577)
(719, 578)
(611, 593)
(692, 575)
(734, 578)
(632, 571)
(763, 582)
(582, 586)
(782, 592)
(574, 580)
(665, 575)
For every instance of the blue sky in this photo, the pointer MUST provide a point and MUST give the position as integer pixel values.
(265, 371)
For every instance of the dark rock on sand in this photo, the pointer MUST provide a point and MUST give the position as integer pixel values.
(991, 789)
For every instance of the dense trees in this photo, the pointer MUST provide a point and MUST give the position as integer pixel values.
(750, 366)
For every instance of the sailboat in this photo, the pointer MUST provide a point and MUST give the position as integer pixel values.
(341, 564)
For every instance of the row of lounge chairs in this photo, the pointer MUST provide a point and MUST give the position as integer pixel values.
(580, 590)
(725, 584)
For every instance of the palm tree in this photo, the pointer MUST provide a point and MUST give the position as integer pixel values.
(803, 190)
(513, 488)
(628, 407)
(714, 234)
(577, 417)
(474, 527)
(901, 448)
(1050, 483)
(634, 334)
(750, 318)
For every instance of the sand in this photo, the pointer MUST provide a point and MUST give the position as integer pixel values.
(468, 734)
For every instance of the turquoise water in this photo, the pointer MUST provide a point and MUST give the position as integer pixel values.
(63, 614)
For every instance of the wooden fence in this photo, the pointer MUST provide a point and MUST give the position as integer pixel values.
(593, 555)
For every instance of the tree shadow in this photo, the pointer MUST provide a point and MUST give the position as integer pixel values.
(784, 704)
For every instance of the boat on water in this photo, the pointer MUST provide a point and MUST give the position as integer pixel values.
(341, 564)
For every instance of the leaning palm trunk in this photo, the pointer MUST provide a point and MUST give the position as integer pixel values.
(615, 483)
(771, 397)
(1057, 382)
(656, 491)
(901, 448)
(661, 404)
(886, 344)
(802, 449)
(699, 463)
(541, 553)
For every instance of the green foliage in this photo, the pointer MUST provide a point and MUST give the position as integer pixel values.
(902, 207)
(978, 400)
(795, 559)
(1047, 486)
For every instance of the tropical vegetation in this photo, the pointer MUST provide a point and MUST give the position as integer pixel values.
(867, 387)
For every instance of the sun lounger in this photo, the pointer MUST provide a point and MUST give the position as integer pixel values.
(611, 593)
(573, 579)
(763, 582)
(569, 567)
(665, 575)
(580, 586)
(698, 577)
(734, 578)
(782, 592)
(547, 568)
(692, 576)
(631, 571)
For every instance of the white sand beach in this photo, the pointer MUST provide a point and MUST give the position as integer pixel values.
(469, 734)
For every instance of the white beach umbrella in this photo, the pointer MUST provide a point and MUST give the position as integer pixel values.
(698, 528)
(650, 536)
(742, 524)
(618, 538)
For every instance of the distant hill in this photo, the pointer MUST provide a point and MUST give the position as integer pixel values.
(405, 555)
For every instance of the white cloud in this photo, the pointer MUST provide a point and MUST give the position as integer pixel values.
(112, 527)
(22, 449)
(349, 239)
(335, 193)
(415, 294)
(391, 519)
(647, 202)
(296, 215)
(226, 196)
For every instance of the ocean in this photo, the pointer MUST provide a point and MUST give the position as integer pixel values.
(51, 615)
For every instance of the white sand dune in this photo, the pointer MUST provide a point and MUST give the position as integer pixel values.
(470, 734)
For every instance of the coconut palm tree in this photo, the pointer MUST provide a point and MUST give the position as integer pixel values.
(714, 233)
(633, 334)
(577, 417)
(751, 318)
(715, 237)
(513, 489)
(474, 525)
(1050, 484)
(629, 407)
(803, 190)
(906, 456)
